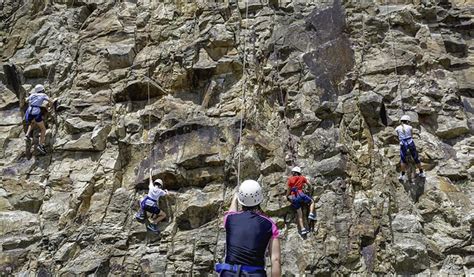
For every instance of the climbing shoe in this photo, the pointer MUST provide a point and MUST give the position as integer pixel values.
(422, 175)
(153, 228)
(304, 232)
(140, 216)
(401, 178)
(312, 216)
(41, 149)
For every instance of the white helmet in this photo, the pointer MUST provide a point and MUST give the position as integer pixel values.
(250, 193)
(158, 182)
(405, 118)
(296, 169)
(39, 88)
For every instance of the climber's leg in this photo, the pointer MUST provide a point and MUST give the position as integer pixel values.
(152, 213)
(43, 132)
(312, 213)
(41, 147)
(304, 198)
(296, 204)
(299, 213)
(30, 121)
(30, 128)
(414, 154)
(403, 161)
(159, 217)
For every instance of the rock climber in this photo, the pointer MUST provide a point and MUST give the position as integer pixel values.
(149, 208)
(404, 132)
(297, 197)
(249, 233)
(35, 102)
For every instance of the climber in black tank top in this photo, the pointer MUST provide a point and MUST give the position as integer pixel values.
(249, 233)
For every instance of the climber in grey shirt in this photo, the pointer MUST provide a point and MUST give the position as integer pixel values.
(404, 133)
(33, 112)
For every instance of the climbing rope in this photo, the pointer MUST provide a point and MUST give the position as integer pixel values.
(149, 119)
(242, 112)
(239, 142)
(146, 132)
(399, 85)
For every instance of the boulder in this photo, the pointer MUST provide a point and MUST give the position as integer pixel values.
(411, 255)
(406, 223)
(121, 54)
(99, 136)
(334, 166)
(138, 90)
(8, 99)
(370, 105)
(76, 125)
(450, 127)
(196, 208)
(10, 117)
(18, 222)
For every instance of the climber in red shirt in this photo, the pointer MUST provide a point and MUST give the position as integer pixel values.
(296, 196)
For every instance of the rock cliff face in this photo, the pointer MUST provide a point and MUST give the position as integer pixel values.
(164, 84)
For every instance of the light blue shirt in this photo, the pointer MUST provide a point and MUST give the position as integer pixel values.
(154, 193)
(35, 100)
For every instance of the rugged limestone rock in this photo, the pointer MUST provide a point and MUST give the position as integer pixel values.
(163, 85)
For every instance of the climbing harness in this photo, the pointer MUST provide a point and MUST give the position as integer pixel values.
(238, 268)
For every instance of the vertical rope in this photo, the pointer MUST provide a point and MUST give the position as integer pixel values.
(399, 86)
(242, 112)
(149, 117)
(146, 136)
(239, 144)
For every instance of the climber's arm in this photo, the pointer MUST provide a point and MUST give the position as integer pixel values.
(233, 205)
(274, 249)
(150, 183)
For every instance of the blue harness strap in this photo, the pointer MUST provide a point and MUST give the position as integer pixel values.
(295, 190)
(142, 204)
(247, 268)
(27, 114)
(406, 140)
(28, 111)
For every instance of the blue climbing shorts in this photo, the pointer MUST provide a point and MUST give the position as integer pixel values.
(404, 147)
(300, 199)
(152, 209)
(29, 117)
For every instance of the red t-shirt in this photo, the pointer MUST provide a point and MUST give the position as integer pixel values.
(297, 182)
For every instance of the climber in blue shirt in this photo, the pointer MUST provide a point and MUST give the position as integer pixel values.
(35, 102)
(249, 234)
(404, 133)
